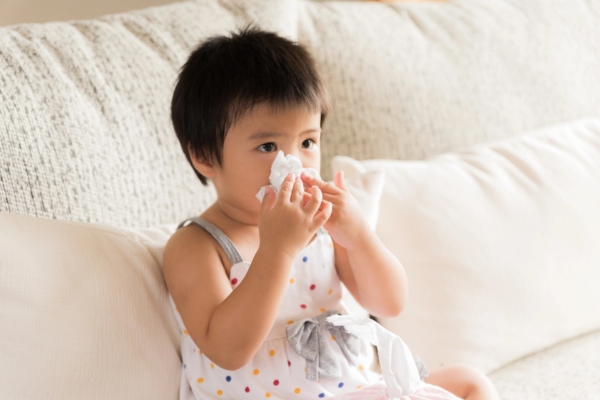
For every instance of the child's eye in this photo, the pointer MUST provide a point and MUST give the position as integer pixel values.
(308, 143)
(267, 147)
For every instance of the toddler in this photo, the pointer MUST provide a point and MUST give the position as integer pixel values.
(252, 284)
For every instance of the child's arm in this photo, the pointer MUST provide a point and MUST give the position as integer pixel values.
(229, 325)
(369, 270)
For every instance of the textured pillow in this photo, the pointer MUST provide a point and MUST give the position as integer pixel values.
(85, 131)
(410, 80)
(500, 244)
(85, 312)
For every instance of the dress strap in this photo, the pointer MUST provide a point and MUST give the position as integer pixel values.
(228, 247)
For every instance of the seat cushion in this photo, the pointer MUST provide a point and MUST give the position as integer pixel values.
(567, 371)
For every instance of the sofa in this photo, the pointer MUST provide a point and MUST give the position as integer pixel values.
(468, 129)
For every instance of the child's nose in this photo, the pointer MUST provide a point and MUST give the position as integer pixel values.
(292, 151)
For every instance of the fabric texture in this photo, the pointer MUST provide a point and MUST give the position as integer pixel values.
(85, 130)
(277, 371)
(566, 371)
(306, 339)
(226, 244)
(411, 80)
(499, 242)
(85, 312)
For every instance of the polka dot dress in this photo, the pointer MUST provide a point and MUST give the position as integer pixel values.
(277, 371)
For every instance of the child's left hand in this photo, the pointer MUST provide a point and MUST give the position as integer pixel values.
(347, 222)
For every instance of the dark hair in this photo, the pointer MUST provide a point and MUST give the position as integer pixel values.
(227, 76)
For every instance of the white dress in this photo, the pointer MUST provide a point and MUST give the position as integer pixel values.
(277, 371)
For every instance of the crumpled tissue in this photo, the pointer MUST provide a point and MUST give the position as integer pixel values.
(399, 369)
(281, 167)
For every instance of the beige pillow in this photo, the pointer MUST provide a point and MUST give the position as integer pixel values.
(500, 243)
(85, 129)
(85, 312)
(409, 80)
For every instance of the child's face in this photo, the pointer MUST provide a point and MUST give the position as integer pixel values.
(251, 146)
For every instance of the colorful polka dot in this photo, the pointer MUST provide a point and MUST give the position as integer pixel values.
(247, 390)
(186, 333)
(212, 365)
(200, 380)
(304, 259)
(360, 367)
(323, 310)
(292, 280)
(313, 286)
(297, 390)
(267, 394)
(276, 382)
(272, 353)
(341, 384)
(256, 372)
(228, 378)
(330, 291)
(289, 363)
(290, 322)
(321, 395)
(332, 337)
(234, 281)
(302, 305)
(219, 392)
(358, 387)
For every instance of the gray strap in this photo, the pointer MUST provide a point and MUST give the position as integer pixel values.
(228, 247)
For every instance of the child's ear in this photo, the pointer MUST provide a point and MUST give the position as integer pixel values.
(201, 165)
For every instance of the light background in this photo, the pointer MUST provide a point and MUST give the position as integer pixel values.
(23, 11)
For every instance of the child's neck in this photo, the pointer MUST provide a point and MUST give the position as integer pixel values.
(242, 232)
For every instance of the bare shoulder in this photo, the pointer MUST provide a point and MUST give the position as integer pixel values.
(187, 248)
(195, 274)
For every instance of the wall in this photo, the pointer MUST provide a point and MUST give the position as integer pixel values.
(20, 11)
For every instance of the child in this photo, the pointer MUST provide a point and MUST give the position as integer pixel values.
(243, 275)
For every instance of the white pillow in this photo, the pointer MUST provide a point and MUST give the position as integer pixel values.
(501, 244)
(85, 312)
(366, 188)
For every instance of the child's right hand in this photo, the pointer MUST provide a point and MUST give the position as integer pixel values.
(287, 222)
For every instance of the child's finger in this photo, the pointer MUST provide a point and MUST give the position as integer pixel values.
(339, 180)
(323, 215)
(285, 191)
(310, 181)
(269, 200)
(316, 198)
(297, 190)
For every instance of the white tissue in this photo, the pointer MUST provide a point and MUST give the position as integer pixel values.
(281, 167)
(398, 366)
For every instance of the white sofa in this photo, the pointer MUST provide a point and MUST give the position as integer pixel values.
(496, 215)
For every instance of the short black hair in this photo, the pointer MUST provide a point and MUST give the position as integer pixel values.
(225, 76)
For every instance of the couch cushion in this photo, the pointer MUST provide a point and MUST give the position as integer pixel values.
(410, 80)
(567, 371)
(85, 132)
(85, 312)
(499, 242)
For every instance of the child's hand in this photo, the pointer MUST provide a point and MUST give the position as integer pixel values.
(287, 222)
(347, 222)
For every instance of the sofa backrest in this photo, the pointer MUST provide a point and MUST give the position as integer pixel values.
(85, 127)
(84, 117)
(409, 80)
